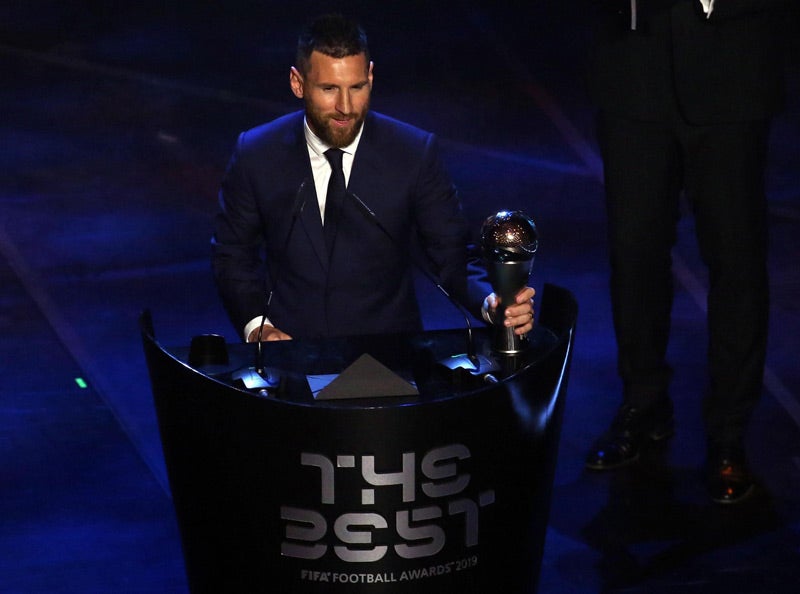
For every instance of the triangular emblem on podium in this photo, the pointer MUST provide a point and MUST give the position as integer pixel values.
(367, 378)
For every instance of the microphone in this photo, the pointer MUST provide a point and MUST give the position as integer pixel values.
(510, 241)
(470, 361)
(257, 380)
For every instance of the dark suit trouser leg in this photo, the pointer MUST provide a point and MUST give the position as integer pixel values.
(725, 182)
(643, 181)
(722, 166)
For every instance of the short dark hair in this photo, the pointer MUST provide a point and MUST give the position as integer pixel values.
(332, 35)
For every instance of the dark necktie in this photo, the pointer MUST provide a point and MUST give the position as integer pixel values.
(335, 197)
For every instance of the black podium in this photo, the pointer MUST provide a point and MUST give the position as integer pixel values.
(447, 490)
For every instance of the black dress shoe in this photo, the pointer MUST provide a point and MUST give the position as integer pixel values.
(729, 481)
(631, 429)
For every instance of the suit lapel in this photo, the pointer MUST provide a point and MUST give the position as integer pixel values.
(297, 165)
(312, 223)
(365, 175)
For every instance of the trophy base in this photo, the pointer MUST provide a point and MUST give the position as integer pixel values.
(506, 342)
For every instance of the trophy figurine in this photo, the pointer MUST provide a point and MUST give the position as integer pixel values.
(509, 240)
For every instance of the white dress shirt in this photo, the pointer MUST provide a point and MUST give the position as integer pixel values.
(708, 6)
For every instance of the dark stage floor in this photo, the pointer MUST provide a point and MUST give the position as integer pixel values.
(116, 126)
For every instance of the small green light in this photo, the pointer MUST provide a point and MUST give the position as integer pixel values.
(81, 383)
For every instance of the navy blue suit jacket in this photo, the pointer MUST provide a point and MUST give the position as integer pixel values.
(268, 234)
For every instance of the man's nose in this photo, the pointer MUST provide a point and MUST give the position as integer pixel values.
(344, 104)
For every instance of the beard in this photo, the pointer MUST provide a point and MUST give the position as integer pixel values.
(321, 124)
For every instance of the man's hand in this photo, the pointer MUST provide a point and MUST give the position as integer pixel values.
(268, 334)
(518, 316)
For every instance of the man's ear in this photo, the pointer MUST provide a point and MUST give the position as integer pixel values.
(296, 82)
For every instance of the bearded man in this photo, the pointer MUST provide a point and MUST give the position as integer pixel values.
(319, 210)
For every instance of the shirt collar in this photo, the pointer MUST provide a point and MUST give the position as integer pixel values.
(319, 147)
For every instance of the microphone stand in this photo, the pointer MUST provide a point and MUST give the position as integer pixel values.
(257, 380)
(259, 349)
(470, 361)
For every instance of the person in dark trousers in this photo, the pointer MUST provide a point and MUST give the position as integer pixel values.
(686, 90)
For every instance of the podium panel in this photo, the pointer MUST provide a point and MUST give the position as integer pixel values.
(444, 491)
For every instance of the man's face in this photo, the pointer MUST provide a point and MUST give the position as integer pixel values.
(336, 95)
